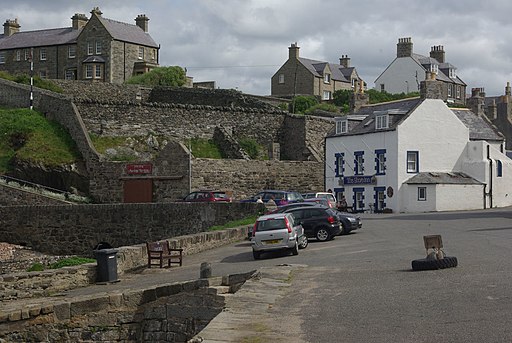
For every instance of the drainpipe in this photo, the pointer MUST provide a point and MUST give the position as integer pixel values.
(490, 175)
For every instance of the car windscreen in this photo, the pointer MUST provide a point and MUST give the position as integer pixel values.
(271, 224)
(220, 195)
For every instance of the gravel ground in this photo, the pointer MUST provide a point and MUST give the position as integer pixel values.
(16, 258)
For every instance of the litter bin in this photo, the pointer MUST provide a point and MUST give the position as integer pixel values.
(106, 260)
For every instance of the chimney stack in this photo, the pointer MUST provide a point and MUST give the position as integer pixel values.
(142, 22)
(11, 27)
(404, 47)
(293, 51)
(78, 21)
(477, 101)
(345, 61)
(437, 52)
(96, 10)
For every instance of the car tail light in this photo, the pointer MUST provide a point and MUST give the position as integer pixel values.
(288, 225)
(331, 220)
(254, 229)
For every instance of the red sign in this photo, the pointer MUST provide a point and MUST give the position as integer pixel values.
(139, 168)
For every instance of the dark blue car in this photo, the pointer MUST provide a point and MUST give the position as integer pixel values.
(280, 197)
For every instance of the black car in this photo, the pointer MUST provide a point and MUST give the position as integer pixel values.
(349, 222)
(318, 222)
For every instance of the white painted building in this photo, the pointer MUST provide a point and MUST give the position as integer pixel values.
(418, 155)
(406, 72)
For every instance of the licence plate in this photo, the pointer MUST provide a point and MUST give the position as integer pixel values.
(272, 241)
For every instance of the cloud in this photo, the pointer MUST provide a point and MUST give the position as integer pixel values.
(242, 43)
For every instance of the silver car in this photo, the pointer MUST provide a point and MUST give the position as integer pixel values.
(277, 231)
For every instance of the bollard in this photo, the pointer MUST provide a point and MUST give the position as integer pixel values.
(206, 270)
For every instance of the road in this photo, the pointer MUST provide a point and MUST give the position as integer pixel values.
(360, 287)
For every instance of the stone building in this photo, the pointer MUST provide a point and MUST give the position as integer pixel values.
(302, 76)
(95, 49)
(406, 72)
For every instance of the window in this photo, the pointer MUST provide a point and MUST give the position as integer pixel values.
(70, 74)
(434, 68)
(382, 88)
(141, 53)
(339, 167)
(341, 126)
(153, 54)
(27, 54)
(42, 54)
(98, 73)
(412, 162)
(499, 169)
(327, 78)
(451, 73)
(281, 79)
(88, 71)
(450, 90)
(458, 92)
(381, 121)
(358, 162)
(89, 48)
(327, 95)
(18, 55)
(98, 48)
(72, 51)
(42, 74)
(353, 81)
(2, 57)
(380, 162)
(380, 199)
(422, 193)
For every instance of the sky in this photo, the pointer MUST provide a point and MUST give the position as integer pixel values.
(240, 44)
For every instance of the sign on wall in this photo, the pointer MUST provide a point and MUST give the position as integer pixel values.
(139, 168)
(359, 180)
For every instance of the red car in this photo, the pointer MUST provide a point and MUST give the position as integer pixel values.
(207, 196)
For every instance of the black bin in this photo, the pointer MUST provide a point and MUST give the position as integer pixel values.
(106, 260)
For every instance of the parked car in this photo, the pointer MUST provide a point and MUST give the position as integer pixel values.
(279, 231)
(280, 197)
(318, 221)
(207, 196)
(325, 195)
(349, 222)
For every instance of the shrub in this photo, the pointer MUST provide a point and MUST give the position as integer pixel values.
(251, 147)
(324, 107)
(301, 103)
(36, 267)
(71, 261)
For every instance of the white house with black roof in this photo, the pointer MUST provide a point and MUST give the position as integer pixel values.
(406, 72)
(417, 155)
(92, 49)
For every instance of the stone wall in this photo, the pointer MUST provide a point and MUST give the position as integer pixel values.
(246, 178)
(11, 196)
(76, 230)
(172, 312)
(79, 91)
(22, 285)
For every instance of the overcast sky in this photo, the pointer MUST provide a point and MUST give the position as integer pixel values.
(242, 43)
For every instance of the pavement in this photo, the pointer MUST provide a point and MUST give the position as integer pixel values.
(250, 315)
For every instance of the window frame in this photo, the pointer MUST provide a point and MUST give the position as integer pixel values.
(42, 54)
(72, 51)
(326, 95)
(381, 121)
(280, 79)
(89, 71)
(43, 74)
(499, 168)
(18, 55)
(2, 57)
(327, 78)
(341, 126)
(98, 72)
(422, 193)
(98, 47)
(339, 164)
(358, 162)
(141, 53)
(90, 50)
(416, 161)
(380, 165)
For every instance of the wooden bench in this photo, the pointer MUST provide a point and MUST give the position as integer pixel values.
(161, 251)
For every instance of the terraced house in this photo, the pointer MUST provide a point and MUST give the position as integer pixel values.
(95, 49)
(303, 76)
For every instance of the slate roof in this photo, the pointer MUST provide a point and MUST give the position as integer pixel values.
(339, 73)
(27, 39)
(128, 32)
(453, 178)
(118, 30)
(397, 111)
(480, 128)
(442, 75)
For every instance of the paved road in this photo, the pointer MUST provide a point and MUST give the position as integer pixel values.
(360, 287)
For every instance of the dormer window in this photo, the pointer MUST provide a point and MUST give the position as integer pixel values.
(434, 68)
(452, 74)
(341, 126)
(381, 121)
(327, 78)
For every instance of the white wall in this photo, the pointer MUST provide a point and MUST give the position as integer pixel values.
(400, 70)
(411, 202)
(451, 197)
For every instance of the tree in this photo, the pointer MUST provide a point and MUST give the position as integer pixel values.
(342, 99)
(163, 76)
(301, 103)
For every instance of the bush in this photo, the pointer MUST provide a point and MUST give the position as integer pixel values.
(36, 267)
(163, 76)
(71, 261)
(323, 107)
(38, 82)
(301, 103)
(251, 147)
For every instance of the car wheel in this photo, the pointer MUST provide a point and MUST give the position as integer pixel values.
(343, 229)
(295, 249)
(303, 242)
(434, 264)
(256, 254)
(322, 234)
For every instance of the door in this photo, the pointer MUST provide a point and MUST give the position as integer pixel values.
(138, 190)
